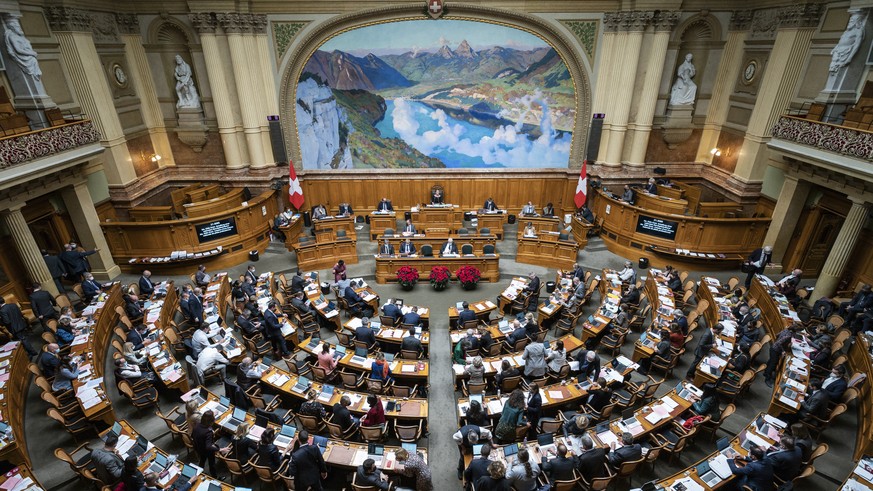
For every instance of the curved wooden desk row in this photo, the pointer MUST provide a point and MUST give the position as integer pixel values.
(540, 223)
(860, 362)
(631, 231)
(493, 364)
(477, 241)
(386, 267)
(393, 336)
(412, 370)
(14, 392)
(334, 224)
(238, 231)
(160, 355)
(323, 255)
(227, 201)
(547, 250)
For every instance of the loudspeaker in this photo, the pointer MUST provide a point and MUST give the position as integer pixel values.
(307, 219)
(277, 141)
(247, 195)
(660, 171)
(594, 132)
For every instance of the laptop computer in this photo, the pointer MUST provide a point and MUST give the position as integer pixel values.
(628, 414)
(602, 427)
(159, 464)
(302, 385)
(140, 447)
(116, 430)
(510, 450)
(285, 436)
(188, 471)
(237, 418)
(202, 396)
(214, 487)
(389, 357)
(339, 352)
(223, 404)
(723, 443)
(261, 420)
(477, 450)
(409, 447)
(544, 439)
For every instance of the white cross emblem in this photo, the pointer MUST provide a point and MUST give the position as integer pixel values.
(435, 7)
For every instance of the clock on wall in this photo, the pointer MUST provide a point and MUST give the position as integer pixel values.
(750, 72)
(118, 75)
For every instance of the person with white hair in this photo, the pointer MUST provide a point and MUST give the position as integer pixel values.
(628, 275)
(756, 262)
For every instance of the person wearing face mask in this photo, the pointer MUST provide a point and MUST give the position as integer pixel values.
(50, 360)
(835, 385)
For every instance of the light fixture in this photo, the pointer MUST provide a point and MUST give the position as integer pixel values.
(156, 158)
(153, 157)
(715, 152)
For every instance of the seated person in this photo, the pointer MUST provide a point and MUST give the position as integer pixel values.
(91, 288)
(409, 228)
(345, 210)
(370, 476)
(560, 467)
(632, 296)
(529, 209)
(628, 194)
(662, 351)
(599, 395)
(384, 205)
(707, 405)
(407, 247)
(529, 230)
(411, 343)
(586, 214)
(628, 275)
(756, 473)
(386, 249)
(466, 314)
(412, 317)
(448, 247)
(506, 371)
(651, 186)
(366, 334)
(835, 385)
(549, 210)
(577, 426)
(785, 459)
(381, 369)
(311, 407)
(436, 197)
(392, 309)
(489, 205)
(627, 452)
(319, 212)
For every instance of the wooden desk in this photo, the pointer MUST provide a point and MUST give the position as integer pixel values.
(314, 255)
(493, 364)
(860, 362)
(664, 204)
(450, 217)
(292, 231)
(580, 229)
(201, 193)
(416, 371)
(624, 230)
(386, 267)
(218, 204)
(19, 475)
(547, 250)
(860, 476)
(541, 224)
(137, 240)
(150, 213)
(510, 293)
(661, 299)
(491, 221)
(14, 393)
(320, 303)
(727, 341)
(477, 241)
(482, 309)
(333, 224)
(671, 192)
(160, 354)
(610, 297)
(380, 221)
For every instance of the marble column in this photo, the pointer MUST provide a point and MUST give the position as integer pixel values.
(260, 77)
(728, 71)
(27, 249)
(72, 29)
(605, 73)
(788, 208)
(629, 42)
(80, 206)
(206, 24)
(797, 25)
(834, 265)
(236, 25)
(144, 85)
(663, 22)
(23, 72)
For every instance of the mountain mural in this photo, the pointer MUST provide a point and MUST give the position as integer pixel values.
(463, 63)
(344, 71)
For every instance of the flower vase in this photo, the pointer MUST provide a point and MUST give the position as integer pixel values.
(469, 286)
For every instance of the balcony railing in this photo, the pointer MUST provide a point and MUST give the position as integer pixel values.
(850, 142)
(37, 144)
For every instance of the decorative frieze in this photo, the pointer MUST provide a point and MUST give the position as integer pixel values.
(69, 19)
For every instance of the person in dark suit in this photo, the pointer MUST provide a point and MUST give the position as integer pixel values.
(533, 289)
(628, 194)
(815, 403)
(195, 306)
(589, 364)
(627, 452)
(298, 302)
(534, 405)
(390, 309)
(12, 319)
(90, 287)
(297, 282)
(49, 361)
(246, 325)
(590, 461)
(357, 305)
(758, 259)
(248, 287)
(368, 475)
(251, 274)
(345, 209)
(478, 467)
(465, 314)
(386, 249)
(785, 459)
(704, 346)
(43, 304)
(412, 343)
(131, 307)
(341, 414)
(407, 247)
(56, 269)
(135, 336)
(489, 205)
(384, 205)
(448, 247)
(201, 277)
(307, 465)
(757, 474)
(274, 330)
(146, 287)
(632, 296)
(861, 300)
(409, 228)
(549, 210)
(586, 214)
(517, 334)
(74, 261)
(560, 468)
(651, 186)
(204, 445)
(599, 395)
(835, 385)
(412, 317)
(365, 333)
(436, 197)
(662, 350)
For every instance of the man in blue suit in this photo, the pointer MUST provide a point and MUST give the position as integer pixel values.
(835, 385)
(465, 315)
(195, 307)
(756, 474)
(785, 459)
(90, 287)
(407, 247)
(412, 317)
(391, 309)
(274, 330)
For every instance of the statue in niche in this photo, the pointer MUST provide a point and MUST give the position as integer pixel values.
(19, 48)
(185, 90)
(684, 89)
(849, 42)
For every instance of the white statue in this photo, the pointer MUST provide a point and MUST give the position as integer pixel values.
(849, 42)
(684, 89)
(19, 48)
(185, 89)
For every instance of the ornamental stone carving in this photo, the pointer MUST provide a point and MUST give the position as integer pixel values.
(611, 21)
(105, 28)
(665, 20)
(69, 19)
(204, 22)
(234, 23)
(635, 21)
(741, 20)
(764, 24)
(127, 23)
(800, 15)
(259, 23)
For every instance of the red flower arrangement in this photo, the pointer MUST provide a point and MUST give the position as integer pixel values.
(439, 277)
(407, 276)
(468, 276)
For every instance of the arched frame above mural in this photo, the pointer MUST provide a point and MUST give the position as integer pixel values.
(342, 24)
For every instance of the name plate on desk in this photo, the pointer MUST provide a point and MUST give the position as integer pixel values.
(664, 229)
(218, 229)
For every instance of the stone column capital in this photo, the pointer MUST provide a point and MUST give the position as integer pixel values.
(204, 22)
(665, 20)
(858, 201)
(635, 21)
(611, 21)
(741, 20)
(15, 208)
(127, 23)
(69, 19)
(235, 23)
(259, 23)
(800, 16)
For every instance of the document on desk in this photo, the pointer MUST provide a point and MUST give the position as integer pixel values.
(720, 466)
(788, 402)
(607, 438)
(688, 484)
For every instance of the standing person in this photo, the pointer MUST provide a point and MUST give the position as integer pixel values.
(511, 417)
(339, 271)
(307, 465)
(757, 261)
(534, 357)
(75, 262)
(56, 269)
(534, 406)
(466, 438)
(146, 287)
(204, 441)
(778, 347)
(201, 277)
(43, 304)
(274, 330)
(12, 319)
(704, 346)
(415, 467)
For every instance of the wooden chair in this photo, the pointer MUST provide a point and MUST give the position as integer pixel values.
(411, 354)
(310, 423)
(376, 386)
(374, 434)
(351, 380)
(78, 460)
(730, 390)
(599, 483)
(473, 388)
(75, 427)
(816, 425)
(336, 431)
(508, 384)
(518, 347)
(402, 391)
(177, 425)
(70, 410)
(141, 395)
(266, 475)
(614, 340)
(627, 469)
(236, 468)
(671, 446)
(361, 487)
(409, 433)
(549, 425)
(711, 426)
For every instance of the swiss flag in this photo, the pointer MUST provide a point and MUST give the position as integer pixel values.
(295, 192)
(582, 187)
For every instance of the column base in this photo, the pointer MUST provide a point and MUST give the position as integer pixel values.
(107, 274)
(636, 165)
(825, 286)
